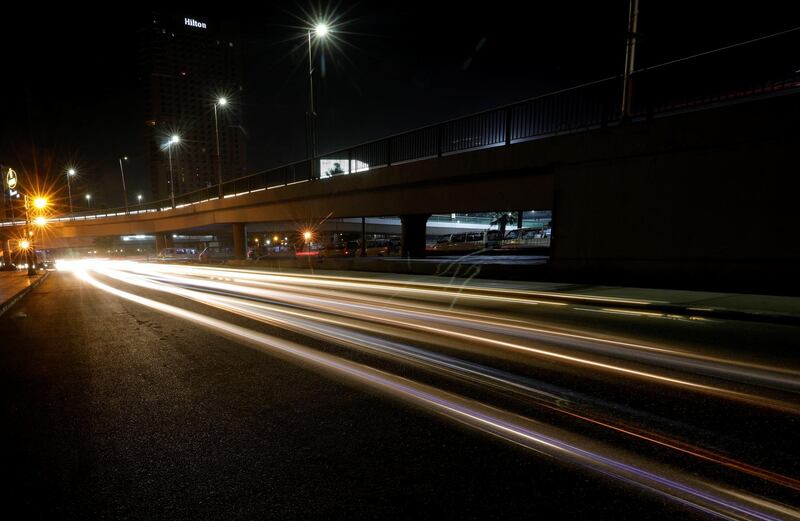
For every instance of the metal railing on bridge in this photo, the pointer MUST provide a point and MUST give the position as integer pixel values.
(731, 74)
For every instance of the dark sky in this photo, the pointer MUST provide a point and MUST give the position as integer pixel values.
(69, 77)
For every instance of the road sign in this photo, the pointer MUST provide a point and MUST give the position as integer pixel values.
(11, 179)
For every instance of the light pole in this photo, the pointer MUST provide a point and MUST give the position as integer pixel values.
(28, 243)
(320, 30)
(630, 57)
(139, 197)
(122, 173)
(70, 173)
(221, 102)
(89, 200)
(173, 140)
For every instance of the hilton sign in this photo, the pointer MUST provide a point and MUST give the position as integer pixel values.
(191, 22)
(10, 182)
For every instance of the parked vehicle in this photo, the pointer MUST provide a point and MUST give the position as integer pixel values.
(216, 254)
(469, 241)
(339, 249)
(526, 238)
(275, 251)
(378, 248)
(177, 254)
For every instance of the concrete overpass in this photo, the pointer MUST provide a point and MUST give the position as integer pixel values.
(701, 193)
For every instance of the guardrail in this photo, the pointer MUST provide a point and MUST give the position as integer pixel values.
(731, 75)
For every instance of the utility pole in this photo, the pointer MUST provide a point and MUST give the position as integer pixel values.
(630, 58)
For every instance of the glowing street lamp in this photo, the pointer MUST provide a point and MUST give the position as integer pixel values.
(320, 31)
(221, 102)
(71, 172)
(307, 235)
(139, 198)
(38, 202)
(174, 140)
(89, 200)
(122, 173)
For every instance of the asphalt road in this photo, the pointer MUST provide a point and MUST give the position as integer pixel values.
(288, 399)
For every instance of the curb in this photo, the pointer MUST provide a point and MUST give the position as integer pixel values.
(5, 306)
(730, 314)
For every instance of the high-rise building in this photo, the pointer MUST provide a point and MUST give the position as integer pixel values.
(187, 63)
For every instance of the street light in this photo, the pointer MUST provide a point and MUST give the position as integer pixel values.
(70, 173)
(89, 200)
(172, 141)
(139, 197)
(320, 30)
(122, 173)
(221, 102)
(39, 203)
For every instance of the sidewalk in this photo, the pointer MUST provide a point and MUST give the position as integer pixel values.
(708, 304)
(15, 284)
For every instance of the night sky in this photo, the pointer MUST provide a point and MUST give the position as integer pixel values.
(70, 78)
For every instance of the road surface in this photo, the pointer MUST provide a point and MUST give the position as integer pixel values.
(135, 390)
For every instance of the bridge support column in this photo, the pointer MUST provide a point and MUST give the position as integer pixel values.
(363, 236)
(239, 241)
(412, 242)
(164, 240)
(6, 245)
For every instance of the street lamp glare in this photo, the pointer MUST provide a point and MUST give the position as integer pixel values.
(71, 171)
(321, 30)
(222, 102)
(175, 139)
(88, 196)
(24, 244)
(40, 220)
(125, 158)
(307, 235)
(40, 202)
